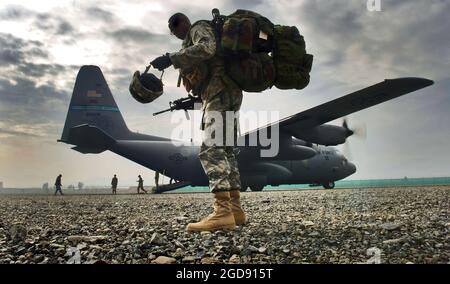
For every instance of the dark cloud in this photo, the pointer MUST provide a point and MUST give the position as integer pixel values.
(19, 54)
(25, 96)
(424, 41)
(26, 92)
(11, 42)
(136, 46)
(41, 70)
(137, 35)
(44, 21)
(225, 7)
(8, 56)
(119, 71)
(53, 24)
(332, 17)
(43, 17)
(26, 102)
(387, 42)
(247, 5)
(37, 52)
(96, 13)
(14, 50)
(15, 12)
(64, 28)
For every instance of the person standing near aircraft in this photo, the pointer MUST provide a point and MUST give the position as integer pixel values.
(156, 179)
(58, 184)
(203, 74)
(140, 184)
(114, 183)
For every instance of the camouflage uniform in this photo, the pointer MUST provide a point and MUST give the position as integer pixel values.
(198, 61)
(58, 185)
(114, 183)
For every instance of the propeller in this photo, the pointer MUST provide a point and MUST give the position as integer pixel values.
(359, 132)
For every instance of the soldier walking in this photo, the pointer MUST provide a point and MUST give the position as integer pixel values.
(114, 183)
(203, 74)
(58, 184)
(140, 184)
(157, 179)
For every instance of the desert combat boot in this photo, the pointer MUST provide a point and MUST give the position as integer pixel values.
(238, 212)
(221, 219)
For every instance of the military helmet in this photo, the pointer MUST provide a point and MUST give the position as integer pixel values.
(145, 88)
(175, 20)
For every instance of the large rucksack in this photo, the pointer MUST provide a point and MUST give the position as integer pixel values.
(259, 54)
(292, 63)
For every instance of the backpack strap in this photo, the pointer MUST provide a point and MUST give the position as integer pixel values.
(217, 29)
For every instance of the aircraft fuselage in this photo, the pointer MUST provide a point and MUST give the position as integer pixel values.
(182, 163)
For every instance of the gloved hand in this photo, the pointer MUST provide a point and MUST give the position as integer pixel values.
(162, 62)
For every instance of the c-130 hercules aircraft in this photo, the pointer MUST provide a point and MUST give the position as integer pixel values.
(94, 124)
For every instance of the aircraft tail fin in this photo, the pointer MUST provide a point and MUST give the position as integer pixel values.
(92, 104)
(94, 121)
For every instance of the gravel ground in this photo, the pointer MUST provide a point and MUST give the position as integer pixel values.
(392, 225)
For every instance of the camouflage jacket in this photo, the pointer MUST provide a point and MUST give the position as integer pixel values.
(198, 54)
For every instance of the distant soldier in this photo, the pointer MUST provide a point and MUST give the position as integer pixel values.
(114, 182)
(140, 184)
(157, 179)
(58, 184)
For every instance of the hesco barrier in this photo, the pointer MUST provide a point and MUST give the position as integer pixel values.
(350, 184)
(339, 184)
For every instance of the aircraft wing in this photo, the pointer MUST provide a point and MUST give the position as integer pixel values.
(359, 100)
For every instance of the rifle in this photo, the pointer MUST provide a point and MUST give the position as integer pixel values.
(185, 104)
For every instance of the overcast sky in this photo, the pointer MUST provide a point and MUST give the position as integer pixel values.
(44, 43)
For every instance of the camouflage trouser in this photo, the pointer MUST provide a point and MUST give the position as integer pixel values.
(219, 161)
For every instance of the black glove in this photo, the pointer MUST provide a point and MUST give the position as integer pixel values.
(162, 62)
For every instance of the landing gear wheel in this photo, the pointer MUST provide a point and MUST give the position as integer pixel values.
(257, 188)
(328, 185)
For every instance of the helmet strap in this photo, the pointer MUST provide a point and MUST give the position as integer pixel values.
(148, 68)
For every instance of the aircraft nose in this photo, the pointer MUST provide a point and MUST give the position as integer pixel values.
(351, 168)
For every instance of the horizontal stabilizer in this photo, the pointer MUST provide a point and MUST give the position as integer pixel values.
(89, 139)
(84, 150)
